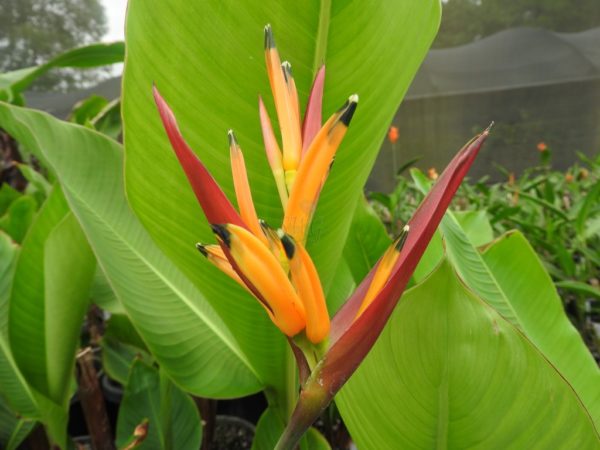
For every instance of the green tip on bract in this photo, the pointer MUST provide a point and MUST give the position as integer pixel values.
(232, 139)
(401, 239)
(347, 111)
(222, 233)
(487, 130)
(288, 244)
(201, 248)
(269, 41)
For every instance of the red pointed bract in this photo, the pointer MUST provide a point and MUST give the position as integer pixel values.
(313, 115)
(214, 203)
(352, 340)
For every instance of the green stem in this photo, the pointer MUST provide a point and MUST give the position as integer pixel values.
(314, 398)
(291, 386)
(282, 400)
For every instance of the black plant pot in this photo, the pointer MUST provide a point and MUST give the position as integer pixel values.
(232, 433)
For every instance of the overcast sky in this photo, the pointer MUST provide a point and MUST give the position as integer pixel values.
(115, 15)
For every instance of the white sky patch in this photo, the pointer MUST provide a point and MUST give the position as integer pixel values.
(115, 16)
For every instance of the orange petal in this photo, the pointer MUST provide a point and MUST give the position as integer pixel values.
(314, 170)
(260, 268)
(242, 187)
(273, 153)
(289, 121)
(383, 271)
(214, 253)
(307, 283)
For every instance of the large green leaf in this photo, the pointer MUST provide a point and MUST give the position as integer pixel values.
(89, 56)
(173, 420)
(69, 267)
(521, 276)
(29, 336)
(48, 300)
(450, 372)
(511, 279)
(177, 324)
(207, 59)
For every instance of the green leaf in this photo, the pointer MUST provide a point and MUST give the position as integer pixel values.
(120, 328)
(89, 56)
(521, 277)
(8, 259)
(476, 226)
(591, 200)
(69, 267)
(212, 85)
(177, 324)
(511, 278)
(38, 185)
(28, 310)
(47, 304)
(118, 357)
(7, 195)
(367, 240)
(102, 294)
(85, 110)
(13, 430)
(18, 218)
(579, 288)
(450, 372)
(174, 422)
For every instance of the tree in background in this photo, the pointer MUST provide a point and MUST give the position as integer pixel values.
(33, 31)
(464, 21)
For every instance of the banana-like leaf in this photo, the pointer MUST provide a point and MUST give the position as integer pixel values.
(510, 277)
(521, 277)
(178, 325)
(476, 226)
(89, 56)
(12, 428)
(173, 420)
(48, 300)
(450, 372)
(69, 267)
(207, 59)
(28, 313)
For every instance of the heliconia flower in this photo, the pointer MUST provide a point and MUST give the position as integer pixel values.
(542, 147)
(274, 265)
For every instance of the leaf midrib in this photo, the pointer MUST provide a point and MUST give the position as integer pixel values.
(322, 36)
